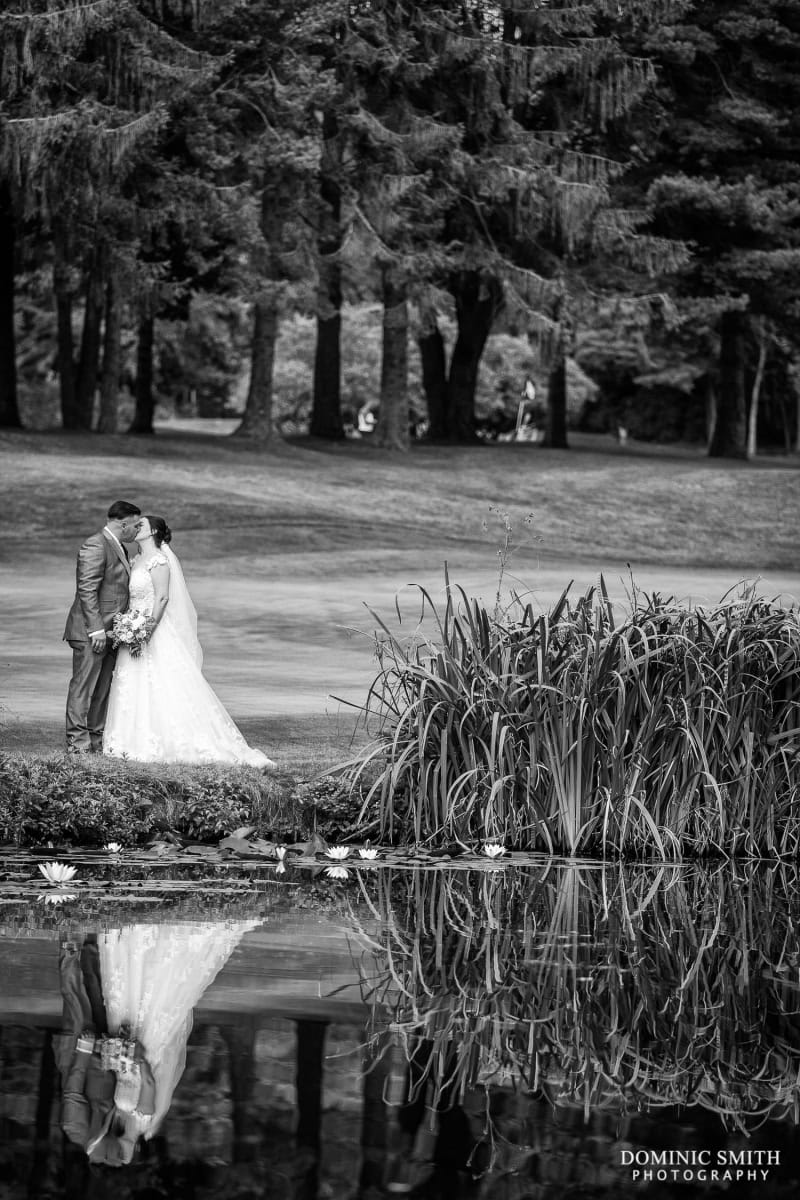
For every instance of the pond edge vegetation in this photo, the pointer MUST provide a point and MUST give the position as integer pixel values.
(670, 732)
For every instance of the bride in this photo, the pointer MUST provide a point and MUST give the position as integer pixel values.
(161, 709)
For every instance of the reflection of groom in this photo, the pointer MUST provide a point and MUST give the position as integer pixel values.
(87, 1088)
(102, 1078)
(102, 576)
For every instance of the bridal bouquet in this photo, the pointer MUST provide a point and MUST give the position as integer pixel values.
(131, 629)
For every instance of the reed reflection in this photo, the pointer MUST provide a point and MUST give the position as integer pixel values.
(594, 989)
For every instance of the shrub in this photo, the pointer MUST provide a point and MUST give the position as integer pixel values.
(92, 802)
(328, 806)
(673, 732)
(50, 800)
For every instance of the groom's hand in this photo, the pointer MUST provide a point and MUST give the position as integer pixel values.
(98, 641)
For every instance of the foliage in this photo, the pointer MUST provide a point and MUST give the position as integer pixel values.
(50, 801)
(718, 166)
(329, 807)
(670, 732)
(55, 800)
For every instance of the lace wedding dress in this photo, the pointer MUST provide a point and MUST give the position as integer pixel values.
(153, 976)
(161, 708)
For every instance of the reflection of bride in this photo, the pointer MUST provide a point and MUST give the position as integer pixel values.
(161, 708)
(153, 976)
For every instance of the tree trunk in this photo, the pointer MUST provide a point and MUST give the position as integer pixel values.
(62, 289)
(241, 1042)
(434, 381)
(310, 1048)
(377, 1073)
(145, 401)
(755, 394)
(42, 1142)
(112, 360)
(711, 409)
(392, 427)
(477, 304)
(730, 431)
(556, 431)
(9, 407)
(257, 420)
(326, 413)
(91, 340)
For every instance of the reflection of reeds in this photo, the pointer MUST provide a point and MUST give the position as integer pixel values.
(598, 988)
(675, 731)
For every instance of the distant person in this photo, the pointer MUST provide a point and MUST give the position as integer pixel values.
(367, 419)
(102, 575)
(161, 708)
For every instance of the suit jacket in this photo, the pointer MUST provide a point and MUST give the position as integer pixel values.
(102, 577)
(87, 1092)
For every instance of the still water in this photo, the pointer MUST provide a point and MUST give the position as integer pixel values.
(548, 1030)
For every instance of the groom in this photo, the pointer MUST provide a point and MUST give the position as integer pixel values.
(102, 575)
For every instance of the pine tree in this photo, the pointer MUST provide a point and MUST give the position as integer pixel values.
(9, 408)
(725, 153)
(65, 164)
(515, 102)
(273, 98)
(548, 131)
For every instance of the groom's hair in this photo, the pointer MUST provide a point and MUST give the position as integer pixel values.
(121, 509)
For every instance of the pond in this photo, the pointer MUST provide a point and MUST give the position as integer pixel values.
(552, 1028)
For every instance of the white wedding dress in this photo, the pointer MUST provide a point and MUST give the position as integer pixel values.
(161, 708)
(152, 978)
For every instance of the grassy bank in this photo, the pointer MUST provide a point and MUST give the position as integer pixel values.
(60, 801)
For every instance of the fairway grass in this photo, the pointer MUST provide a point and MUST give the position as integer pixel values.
(310, 504)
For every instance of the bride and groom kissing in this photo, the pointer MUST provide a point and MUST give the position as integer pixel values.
(149, 703)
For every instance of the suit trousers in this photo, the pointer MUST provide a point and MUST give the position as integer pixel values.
(87, 699)
(82, 988)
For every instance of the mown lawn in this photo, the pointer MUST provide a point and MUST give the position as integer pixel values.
(309, 503)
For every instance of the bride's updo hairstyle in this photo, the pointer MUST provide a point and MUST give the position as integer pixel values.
(162, 534)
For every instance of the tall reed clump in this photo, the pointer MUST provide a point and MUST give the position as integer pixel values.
(671, 731)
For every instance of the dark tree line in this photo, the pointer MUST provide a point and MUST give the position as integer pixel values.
(515, 165)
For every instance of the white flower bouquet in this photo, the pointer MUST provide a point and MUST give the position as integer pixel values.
(132, 629)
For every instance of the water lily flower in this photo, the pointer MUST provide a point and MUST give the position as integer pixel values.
(57, 873)
(113, 847)
(337, 872)
(280, 853)
(367, 852)
(493, 849)
(59, 897)
(338, 852)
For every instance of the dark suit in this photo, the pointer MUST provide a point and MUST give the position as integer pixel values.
(102, 577)
(87, 1089)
